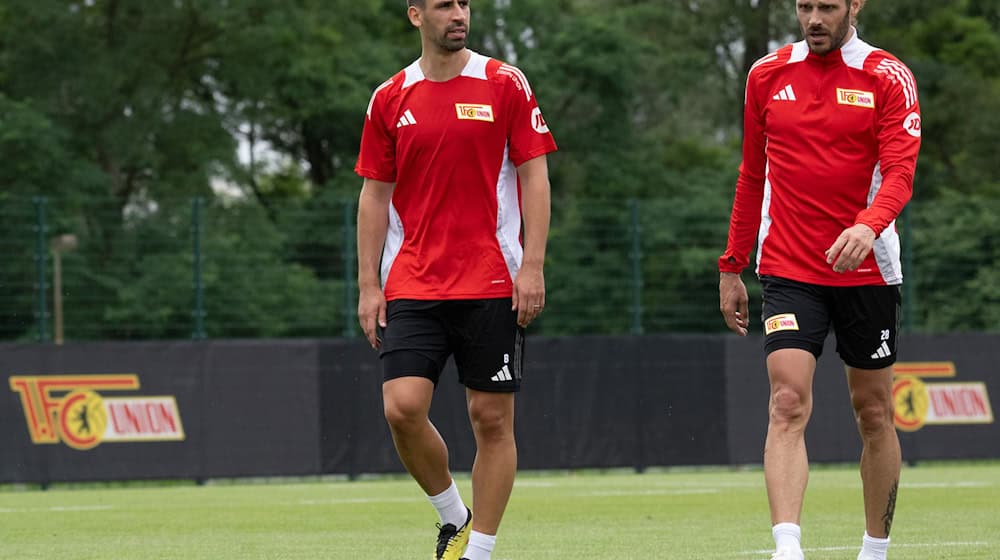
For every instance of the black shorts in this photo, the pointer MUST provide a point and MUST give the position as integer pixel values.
(482, 334)
(865, 320)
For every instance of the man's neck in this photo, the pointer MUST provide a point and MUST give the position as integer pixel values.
(440, 66)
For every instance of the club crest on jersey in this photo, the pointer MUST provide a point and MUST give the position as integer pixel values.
(474, 112)
(856, 97)
(538, 122)
(783, 322)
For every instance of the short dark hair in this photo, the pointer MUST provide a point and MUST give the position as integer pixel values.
(417, 3)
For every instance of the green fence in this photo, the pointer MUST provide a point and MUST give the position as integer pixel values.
(230, 268)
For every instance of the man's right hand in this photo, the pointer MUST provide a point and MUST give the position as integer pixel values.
(371, 311)
(733, 302)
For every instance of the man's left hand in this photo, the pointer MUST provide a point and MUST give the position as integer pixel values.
(851, 248)
(529, 294)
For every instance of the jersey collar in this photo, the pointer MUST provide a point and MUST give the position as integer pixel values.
(474, 68)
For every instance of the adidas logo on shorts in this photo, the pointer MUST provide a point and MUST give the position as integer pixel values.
(502, 375)
(882, 352)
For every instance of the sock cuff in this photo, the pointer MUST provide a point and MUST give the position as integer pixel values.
(787, 528)
(482, 538)
(442, 495)
(875, 540)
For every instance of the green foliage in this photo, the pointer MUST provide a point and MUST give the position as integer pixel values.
(956, 276)
(120, 112)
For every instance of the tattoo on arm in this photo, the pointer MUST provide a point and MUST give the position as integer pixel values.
(890, 509)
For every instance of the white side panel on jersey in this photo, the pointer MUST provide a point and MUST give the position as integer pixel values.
(765, 214)
(393, 242)
(886, 248)
(509, 216)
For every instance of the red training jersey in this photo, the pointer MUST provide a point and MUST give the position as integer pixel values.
(829, 142)
(452, 149)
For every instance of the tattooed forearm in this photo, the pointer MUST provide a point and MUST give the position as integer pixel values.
(890, 509)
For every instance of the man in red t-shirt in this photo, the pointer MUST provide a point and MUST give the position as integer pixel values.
(453, 156)
(831, 135)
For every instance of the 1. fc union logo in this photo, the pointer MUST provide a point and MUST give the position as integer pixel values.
(919, 403)
(73, 410)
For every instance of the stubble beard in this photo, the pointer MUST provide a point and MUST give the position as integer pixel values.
(837, 35)
(452, 45)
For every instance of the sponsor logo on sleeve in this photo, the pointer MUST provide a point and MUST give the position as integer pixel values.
(538, 121)
(856, 98)
(474, 112)
(783, 322)
(911, 124)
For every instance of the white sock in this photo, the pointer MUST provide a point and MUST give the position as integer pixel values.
(480, 546)
(787, 535)
(873, 548)
(450, 507)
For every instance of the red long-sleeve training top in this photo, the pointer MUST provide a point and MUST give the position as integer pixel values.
(829, 141)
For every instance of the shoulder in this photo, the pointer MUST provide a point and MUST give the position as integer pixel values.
(779, 59)
(883, 64)
(388, 89)
(892, 74)
(508, 77)
(878, 63)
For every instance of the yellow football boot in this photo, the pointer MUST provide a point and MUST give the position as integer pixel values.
(452, 541)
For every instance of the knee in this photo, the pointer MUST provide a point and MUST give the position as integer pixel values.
(789, 407)
(491, 423)
(404, 414)
(874, 417)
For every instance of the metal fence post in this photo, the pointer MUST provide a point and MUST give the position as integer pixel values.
(199, 291)
(41, 252)
(350, 278)
(909, 291)
(635, 256)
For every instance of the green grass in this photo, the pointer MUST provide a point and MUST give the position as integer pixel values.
(943, 512)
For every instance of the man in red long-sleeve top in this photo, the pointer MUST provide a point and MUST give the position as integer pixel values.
(831, 135)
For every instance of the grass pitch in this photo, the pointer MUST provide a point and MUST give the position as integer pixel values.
(943, 512)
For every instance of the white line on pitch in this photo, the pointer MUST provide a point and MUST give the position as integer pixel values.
(655, 492)
(55, 508)
(894, 546)
(966, 484)
(335, 501)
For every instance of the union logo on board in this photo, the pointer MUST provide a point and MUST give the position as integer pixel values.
(74, 410)
(919, 403)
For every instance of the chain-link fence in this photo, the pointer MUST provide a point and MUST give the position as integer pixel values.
(225, 268)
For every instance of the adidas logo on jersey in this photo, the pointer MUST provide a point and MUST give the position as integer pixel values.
(502, 375)
(786, 94)
(882, 352)
(406, 120)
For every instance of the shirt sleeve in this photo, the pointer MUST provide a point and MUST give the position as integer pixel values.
(745, 218)
(377, 157)
(528, 133)
(898, 130)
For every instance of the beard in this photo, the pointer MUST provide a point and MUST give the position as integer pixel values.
(836, 36)
(452, 45)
